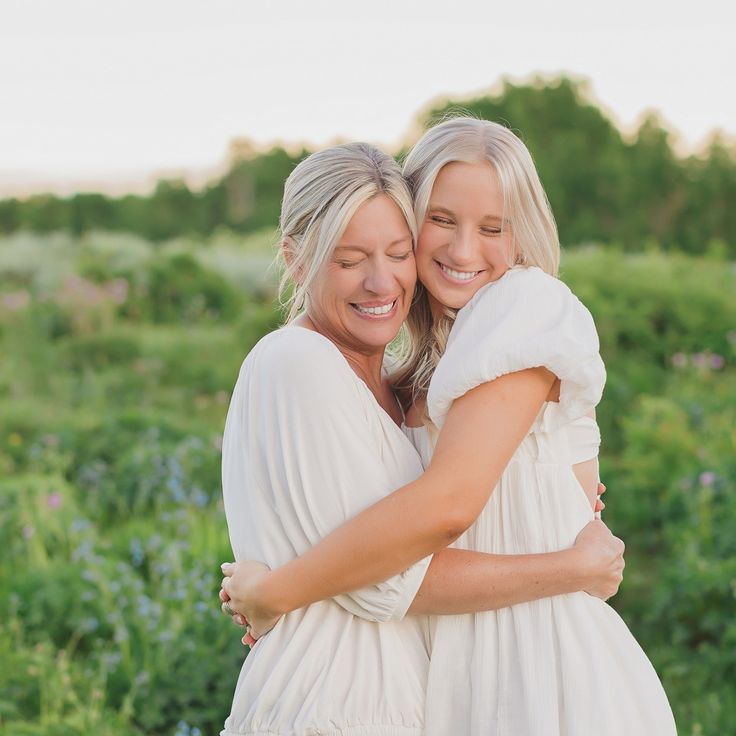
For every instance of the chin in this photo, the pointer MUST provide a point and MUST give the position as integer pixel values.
(377, 337)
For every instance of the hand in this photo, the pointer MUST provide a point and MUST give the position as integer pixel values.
(599, 505)
(240, 590)
(602, 559)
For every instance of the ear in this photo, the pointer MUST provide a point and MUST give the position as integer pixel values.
(287, 249)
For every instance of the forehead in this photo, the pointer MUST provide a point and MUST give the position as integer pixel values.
(470, 184)
(378, 221)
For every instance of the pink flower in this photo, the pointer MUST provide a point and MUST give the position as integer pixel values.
(15, 300)
(54, 500)
(117, 289)
(700, 360)
(717, 362)
(707, 478)
(679, 360)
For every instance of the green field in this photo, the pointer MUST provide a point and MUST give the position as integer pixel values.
(118, 358)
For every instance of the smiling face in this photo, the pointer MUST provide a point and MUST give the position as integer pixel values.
(463, 242)
(361, 297)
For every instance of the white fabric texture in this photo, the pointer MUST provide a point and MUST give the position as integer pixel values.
(565, 665)
(306, 447)
(526, 319)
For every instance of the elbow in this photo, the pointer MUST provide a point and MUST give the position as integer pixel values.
(454, 523)
(455, 505)
(461, 509)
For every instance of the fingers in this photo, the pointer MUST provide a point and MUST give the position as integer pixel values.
(227, 608)
(223, 595)
(248, 640)
(227, 568)
(601, 489)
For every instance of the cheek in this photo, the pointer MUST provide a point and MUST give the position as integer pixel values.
(408, 273)
(497, 252)
(426, 242)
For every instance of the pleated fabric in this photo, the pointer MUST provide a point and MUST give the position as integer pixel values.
(566, 665)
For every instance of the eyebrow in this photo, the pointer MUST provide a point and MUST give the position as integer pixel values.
(363, 250)
(433, 208)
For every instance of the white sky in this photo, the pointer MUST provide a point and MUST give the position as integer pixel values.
(94, 92)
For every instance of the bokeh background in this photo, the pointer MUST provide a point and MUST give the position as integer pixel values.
(143, 150)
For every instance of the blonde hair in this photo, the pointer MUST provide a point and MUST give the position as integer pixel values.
(526, 212)
(321, 195)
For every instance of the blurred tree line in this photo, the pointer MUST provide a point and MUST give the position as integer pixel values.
(603, 186)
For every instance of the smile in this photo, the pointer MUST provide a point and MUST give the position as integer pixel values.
(457, 276)
(382, 310)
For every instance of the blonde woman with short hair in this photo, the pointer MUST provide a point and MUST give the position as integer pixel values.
(313, 437)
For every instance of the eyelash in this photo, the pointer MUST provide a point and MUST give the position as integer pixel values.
(484, 230)
(440, 220)
(352, 264)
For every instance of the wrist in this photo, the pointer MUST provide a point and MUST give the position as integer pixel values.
(268, 596)
(577, 568)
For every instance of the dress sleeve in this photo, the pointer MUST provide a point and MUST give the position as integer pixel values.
(526, 319)
(320, 449)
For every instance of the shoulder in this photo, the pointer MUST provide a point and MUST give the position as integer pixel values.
(524, 320)
(526, 287)
(523, 299)
(294, 359)
(291, 344)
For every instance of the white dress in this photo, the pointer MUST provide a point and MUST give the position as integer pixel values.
(560, 666)
(306, 447)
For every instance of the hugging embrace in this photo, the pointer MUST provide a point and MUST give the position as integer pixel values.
(415, 531)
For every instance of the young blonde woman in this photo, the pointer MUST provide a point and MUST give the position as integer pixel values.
(312, 437)
(512, 392)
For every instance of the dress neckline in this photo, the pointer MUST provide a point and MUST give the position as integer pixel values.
(354, 375)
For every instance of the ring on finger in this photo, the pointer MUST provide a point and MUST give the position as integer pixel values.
(227, 608)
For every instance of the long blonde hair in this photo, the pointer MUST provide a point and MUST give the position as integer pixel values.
(320, 197)
(526, 210)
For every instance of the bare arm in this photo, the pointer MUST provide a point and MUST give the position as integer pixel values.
(481, 433)
(459, 581)
(463, 581)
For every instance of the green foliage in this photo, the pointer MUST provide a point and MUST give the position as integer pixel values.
(603, 186)
(667, 327)
(118, 362)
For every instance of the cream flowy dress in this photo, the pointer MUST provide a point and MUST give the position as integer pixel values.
(560, 666)
(306, 447)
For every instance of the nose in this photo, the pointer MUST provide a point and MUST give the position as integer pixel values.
(381, 279)
(461, 248)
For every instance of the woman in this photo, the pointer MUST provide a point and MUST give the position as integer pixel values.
(513, 395)
(312, 437)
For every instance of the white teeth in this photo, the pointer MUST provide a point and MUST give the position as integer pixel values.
(385, 309)
(460, 275)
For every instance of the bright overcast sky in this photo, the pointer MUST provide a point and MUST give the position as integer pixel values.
(113, 90)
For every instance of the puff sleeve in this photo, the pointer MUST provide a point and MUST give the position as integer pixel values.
(526, 319)
(302, 453)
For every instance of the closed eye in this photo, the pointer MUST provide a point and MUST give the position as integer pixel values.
(491, 230)
(440, 220)
(401, 256)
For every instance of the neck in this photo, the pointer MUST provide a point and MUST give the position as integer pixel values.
(366, 361)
